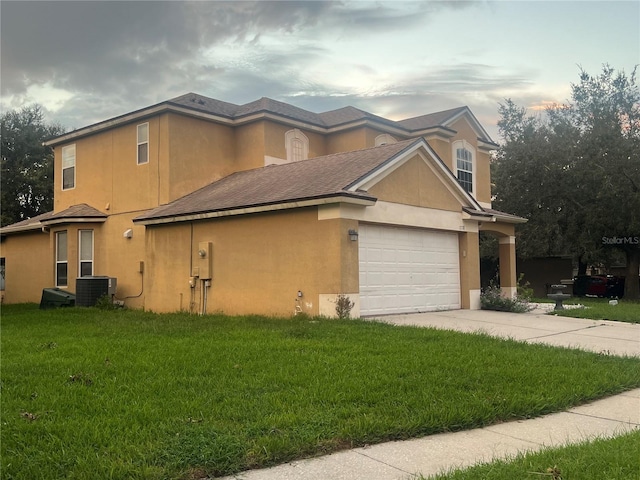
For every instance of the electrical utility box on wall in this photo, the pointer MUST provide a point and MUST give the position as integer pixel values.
(205, 260)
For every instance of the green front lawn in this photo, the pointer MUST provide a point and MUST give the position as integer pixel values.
(599, 309)
(615, 458)
(127, 394)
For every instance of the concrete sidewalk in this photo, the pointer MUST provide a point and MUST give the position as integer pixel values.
(432, 454)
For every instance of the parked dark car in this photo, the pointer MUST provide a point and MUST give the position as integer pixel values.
(607, 286)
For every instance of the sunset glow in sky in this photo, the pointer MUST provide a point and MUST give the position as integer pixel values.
(86, 61)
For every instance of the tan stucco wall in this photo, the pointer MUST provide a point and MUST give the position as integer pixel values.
(355, 139)
(250, 146)
(260, 262)
(415, 183)
(107, 171)
(31, 259)
(120, 257)
(442, 147)
(185, 154)
(29, 267)
(483, 185)
(275, 145)
(498, 228)
(200, 152)
(469, 251)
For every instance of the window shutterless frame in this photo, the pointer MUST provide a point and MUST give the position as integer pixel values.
(143, 143)
(296, 145)
(69, 167)
(464, 163)
(85, 253)
(62, 278)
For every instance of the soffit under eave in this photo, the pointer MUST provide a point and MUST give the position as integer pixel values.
(62, 221)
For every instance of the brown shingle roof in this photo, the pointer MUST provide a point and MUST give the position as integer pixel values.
(316, 178)
(430, 120)
(331, 118)
(81, 210)
(269, 105)
(201, 103)
(34, 222)
(352, 114)
(230, 112)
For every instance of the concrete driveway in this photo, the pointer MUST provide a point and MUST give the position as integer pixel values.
(602, 336)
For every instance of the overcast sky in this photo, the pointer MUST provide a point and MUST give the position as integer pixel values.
(86, 61)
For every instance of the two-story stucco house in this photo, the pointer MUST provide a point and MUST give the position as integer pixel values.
(200, 205)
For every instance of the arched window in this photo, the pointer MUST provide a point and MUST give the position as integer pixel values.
(464, 163)
(384, 139)
(297, 145)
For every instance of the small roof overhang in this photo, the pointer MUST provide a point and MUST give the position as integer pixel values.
(81, 213)
(361, 200)
(491, 215)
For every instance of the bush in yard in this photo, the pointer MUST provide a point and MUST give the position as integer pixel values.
(493, 299)
(105, 302)
(344, 306)
(524, 289)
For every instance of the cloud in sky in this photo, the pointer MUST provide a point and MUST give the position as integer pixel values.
(86, 61)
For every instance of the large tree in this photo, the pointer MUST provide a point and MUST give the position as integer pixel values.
(27, 165)
(575, 173)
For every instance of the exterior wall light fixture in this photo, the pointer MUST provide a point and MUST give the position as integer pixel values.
(353, 235)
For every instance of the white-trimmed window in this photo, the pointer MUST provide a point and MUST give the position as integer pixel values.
(384, 139)
(464, 156)
(85, 253)
(69, 167)
(297, 145)
(62, 278)
(143, 143)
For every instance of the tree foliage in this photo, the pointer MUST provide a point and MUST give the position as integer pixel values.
(575, 173)
(27, 165)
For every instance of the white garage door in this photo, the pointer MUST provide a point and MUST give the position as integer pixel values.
(404, 270)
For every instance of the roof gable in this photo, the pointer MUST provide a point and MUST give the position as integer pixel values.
(76, 213)
(429, 156)
(446, 119)
(418, 182)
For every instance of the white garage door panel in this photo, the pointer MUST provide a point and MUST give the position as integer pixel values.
(407, 270)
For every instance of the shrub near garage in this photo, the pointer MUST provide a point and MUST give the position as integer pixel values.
(493, 299)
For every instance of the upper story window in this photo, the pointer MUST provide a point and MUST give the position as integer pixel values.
(465, 162)
(297, 145)
(68, 167)
(143, 143)
(61, 259)
(85, 253)
(384, 139)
